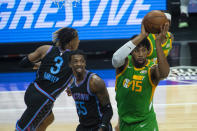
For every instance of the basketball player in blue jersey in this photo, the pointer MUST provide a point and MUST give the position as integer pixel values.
(90, 95)
(52, 76)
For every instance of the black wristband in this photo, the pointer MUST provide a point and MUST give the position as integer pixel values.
(104, 126)
(107, 113)
(25, 63)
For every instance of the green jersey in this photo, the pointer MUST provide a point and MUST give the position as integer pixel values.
(134, 93)
(167, 46)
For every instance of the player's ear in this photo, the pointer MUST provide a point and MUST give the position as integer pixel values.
(69, 45)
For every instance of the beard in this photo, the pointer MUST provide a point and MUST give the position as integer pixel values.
(79, 74)
(137, 64)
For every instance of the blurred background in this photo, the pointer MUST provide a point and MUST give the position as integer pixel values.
(103, 26)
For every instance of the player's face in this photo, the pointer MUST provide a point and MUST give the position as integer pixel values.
(139, 55)
(78, 64)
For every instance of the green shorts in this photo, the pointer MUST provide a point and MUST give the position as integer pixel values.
(150, 124)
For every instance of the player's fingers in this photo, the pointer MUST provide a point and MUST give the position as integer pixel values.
(162, 29)
(166, 28)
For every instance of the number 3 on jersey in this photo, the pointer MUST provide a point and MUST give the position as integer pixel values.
(59, 61)
(81, 109)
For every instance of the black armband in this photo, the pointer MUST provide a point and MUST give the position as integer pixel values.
(26, 63)
(104, 126)
(107, 115)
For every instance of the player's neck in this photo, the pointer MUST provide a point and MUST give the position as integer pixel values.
(80, 77)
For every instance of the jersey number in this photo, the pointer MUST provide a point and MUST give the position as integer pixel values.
(136, 86)
(81, 109)
(58, 63)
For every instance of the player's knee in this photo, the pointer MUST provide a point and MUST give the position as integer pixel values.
(47, 121)
(51, 118)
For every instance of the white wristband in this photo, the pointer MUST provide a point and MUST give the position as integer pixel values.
(121, 54)
(168, 16)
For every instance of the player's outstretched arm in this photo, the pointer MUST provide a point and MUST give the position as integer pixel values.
(162, 70)
(32, 59)
(97, 86)
(119, 57)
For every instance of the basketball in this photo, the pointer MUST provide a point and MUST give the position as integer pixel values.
(153, 21)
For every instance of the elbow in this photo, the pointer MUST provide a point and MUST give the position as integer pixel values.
(116, 61)
(165, 74)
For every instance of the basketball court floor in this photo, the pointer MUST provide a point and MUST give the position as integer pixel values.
(175, 101)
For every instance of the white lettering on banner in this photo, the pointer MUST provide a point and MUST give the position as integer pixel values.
(99, 12)
(20, 12)
(45, 11)
(5, 15)
(85, 14)
(114, 20)
(116, 13)
(68, 16)
(133, 20)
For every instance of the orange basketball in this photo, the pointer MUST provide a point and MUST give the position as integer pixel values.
(154, 20)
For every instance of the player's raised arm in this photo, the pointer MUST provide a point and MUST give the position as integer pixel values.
(32, 59)
(97, 86)
(119, 57)
(162, 70)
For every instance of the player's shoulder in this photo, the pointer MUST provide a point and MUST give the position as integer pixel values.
(44, 47)
(96, 83)
(171, 36)
(95, 77)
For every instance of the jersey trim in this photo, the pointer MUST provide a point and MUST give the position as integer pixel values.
(88, 85)
(137, 69)
(123, 70)
(75, 81)
(152, 84)
(43, 92)
(17, 127)
(168, 36)
(170, 41)
(49, 50)
(118, 75)
(66, 83)
(151, 44)
(98, 107)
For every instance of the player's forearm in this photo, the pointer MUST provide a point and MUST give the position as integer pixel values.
(107, 115)
(26, 63)
(163, 65)
(121, 54)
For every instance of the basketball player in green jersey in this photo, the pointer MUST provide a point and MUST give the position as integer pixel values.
(166, 43)
(136, 81)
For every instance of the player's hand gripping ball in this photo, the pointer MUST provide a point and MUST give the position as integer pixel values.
(153, 21)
